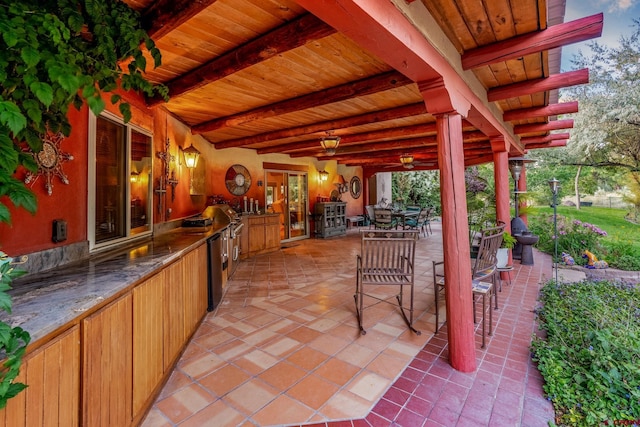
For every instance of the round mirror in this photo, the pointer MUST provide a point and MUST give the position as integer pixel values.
(355, 187)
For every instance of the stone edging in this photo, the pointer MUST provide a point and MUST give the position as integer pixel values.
(607, 273)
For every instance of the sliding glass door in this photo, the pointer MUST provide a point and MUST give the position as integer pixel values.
(287, 194)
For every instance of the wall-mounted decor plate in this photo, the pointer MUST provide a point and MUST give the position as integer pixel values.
(237, 180)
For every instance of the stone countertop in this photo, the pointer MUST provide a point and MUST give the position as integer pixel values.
(43, 302)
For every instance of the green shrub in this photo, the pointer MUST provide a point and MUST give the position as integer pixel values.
(590, 357)
(574, 236)
(622, 255)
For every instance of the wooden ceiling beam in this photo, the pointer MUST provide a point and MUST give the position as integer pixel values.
(478, 160)
(367, 86)
(423, 141)
(410, 110)
(529, 87)
(556, 36)
(294, 34)
(543, 127)
(404, 131)
(543, 139)
(166, 15)
(535, 112)
(420, 153)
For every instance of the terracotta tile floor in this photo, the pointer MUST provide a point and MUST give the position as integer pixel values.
(284, 348)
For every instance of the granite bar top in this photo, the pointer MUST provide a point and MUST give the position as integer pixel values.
(45, 301)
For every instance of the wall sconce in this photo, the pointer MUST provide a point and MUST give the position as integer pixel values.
(330, 143)
(134, 176)
(191, 156)
(341, 184)
(407, 161)
(323, 175)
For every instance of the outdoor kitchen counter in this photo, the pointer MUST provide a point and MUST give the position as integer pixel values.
(47, 301)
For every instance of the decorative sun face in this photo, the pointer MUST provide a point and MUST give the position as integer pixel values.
(49, 161)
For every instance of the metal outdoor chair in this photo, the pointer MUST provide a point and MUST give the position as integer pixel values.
(386, 259)
(484, 269)
(384, 219)
(420, 222)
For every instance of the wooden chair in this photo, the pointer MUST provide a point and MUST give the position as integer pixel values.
(386, 259)
(485, 264)
(484, 269)
(384, 219)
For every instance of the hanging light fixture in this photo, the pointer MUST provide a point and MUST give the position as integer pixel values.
(330, 143)
(407, 161)
(191, 156)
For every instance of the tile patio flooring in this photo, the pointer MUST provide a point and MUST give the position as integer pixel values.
(283, 348)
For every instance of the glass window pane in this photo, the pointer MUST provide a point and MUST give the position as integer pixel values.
(140, 182)
(110, 188)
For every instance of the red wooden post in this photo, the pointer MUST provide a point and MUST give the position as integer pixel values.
(501, 177)
(455, 236)
(522, 186)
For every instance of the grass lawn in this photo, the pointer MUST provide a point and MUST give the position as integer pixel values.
(610, 220)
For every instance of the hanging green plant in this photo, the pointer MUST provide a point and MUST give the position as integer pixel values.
(54, 54)
(58, 53)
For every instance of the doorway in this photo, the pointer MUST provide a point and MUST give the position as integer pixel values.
(287, 194)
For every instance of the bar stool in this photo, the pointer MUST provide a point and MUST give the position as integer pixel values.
(504, 269)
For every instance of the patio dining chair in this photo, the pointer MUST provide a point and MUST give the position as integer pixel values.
(384, 219)
(386, 260)
(418, 222)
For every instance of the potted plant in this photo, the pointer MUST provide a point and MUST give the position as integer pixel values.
(508, 242)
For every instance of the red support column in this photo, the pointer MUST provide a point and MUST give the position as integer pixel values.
(522, 186)
(501, 178)
(455, 236)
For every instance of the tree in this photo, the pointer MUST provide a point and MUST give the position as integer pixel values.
(607, 127)
(58, 53)
(421, 188)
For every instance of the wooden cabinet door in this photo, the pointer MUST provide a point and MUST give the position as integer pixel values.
(272, 232)
(108, 366)
(173, 322)
(148, 363)
(256, 234)
(195, 281)
(53, 395)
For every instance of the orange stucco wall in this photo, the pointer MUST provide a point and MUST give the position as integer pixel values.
(32, 233)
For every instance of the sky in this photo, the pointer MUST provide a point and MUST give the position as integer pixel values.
(618, 20)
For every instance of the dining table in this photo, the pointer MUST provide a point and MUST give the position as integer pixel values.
(404, 214)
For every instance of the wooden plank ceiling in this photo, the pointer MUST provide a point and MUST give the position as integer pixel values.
(267, 75)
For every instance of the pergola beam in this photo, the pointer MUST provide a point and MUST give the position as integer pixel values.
(550, 38)
(544, 84)
(528, 140)
(536, 112)
(294, 34)
(552, 144)
(367, 86)
(543, 127)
